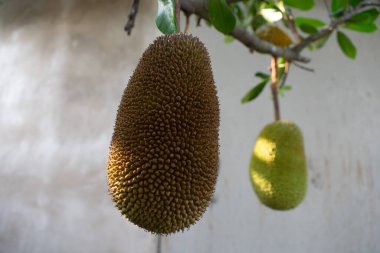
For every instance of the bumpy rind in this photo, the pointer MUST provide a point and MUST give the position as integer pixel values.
(163, 159)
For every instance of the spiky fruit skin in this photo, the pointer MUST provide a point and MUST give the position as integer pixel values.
(163, 159)
(278, 168)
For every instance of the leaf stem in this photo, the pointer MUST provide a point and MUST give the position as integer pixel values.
(274, 88)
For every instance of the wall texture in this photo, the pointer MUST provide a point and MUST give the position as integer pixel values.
(63, 67)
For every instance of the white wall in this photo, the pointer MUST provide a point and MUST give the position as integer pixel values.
(63, 67)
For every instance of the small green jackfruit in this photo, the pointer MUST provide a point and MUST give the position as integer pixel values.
(163, 159)
(278, 168)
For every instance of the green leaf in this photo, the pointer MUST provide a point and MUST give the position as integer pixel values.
(319, 43)
(281, 91)
(286, 87)
(303, 5)
(365, 17)
(280, 6)
(308, 29)
(257, 22)
(238, 11)
(339, 13)
(262, 75)
(337, 5)
(281, 64)
(242, 17)
(346, 45)
(165, 18)
(264, 4)
(228, 39)
(221, 16)
(254, 92)
(309, 21)
(354, 2)
(364, 28)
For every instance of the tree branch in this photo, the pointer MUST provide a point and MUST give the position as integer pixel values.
(132, 16)
(253, 42)
(333, 25)
(375, 3)
(250, 40)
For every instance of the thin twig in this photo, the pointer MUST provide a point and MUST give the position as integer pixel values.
(274, 88)
(131, 17)
(292, 24)
(285, 74)
(187, 25)
(327, 8)
(333, 25)
(177, 12)
(372, 4)
(375, 3)
(303, 67)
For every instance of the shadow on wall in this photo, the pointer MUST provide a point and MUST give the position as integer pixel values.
(71, 50)
(64, 67)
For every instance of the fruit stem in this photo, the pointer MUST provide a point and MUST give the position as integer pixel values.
(274, 88)
(177, 12)
(158, 244)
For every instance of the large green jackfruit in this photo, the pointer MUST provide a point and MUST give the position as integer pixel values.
(163, 160)
(278, 166)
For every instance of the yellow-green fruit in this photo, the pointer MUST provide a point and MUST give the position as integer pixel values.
(278, 166)
(163, 160)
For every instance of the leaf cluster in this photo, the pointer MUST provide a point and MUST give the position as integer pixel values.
(273, 21)
(265, 78)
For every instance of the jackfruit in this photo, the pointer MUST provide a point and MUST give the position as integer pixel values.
(163, 159)
(278, 168)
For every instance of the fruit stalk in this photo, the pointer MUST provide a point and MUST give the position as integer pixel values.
(274, 88)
